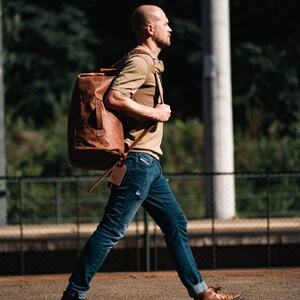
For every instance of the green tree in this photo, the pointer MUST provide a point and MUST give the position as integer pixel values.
(265, 73)
(46, 44)
(266, 100)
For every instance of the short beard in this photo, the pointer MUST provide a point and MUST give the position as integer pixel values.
(162, 45)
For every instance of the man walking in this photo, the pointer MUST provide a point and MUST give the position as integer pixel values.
(134, 96)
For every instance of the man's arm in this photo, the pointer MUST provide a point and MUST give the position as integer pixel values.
(121, 103)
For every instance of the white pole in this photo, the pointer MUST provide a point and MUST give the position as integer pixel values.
(217, 100)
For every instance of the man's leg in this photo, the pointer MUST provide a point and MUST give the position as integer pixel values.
(164, 209)
(123, 204)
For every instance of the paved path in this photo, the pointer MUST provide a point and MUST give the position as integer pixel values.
(256, 284)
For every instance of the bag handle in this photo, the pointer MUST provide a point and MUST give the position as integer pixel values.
(99, 122)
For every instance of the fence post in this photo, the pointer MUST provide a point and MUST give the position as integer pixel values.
(268, 217)
(213, 234)
(58, 201)
(147, 240)
(21, 227)
(77, 218)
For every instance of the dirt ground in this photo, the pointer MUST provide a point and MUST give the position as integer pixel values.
(256, 284)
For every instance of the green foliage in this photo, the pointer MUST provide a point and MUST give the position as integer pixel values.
(268, 95)
(267, 154)
(47, 43)
(45, 46)
(183, 146)
(36, 152)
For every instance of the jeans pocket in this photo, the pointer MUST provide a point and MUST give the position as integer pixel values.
(145, 161)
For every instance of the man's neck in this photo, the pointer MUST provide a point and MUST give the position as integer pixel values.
(154, 50)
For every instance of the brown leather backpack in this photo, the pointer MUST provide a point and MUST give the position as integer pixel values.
(95, 135)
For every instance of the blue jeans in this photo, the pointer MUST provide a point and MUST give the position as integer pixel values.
(143, 185)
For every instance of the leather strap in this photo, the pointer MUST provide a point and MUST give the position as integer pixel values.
(99, 122)
(106, 173)
(158, 81)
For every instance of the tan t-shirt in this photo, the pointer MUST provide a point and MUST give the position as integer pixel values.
(136, 80)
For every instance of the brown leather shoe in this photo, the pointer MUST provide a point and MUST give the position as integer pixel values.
(214, 294)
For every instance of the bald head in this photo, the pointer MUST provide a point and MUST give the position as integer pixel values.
(144, 15)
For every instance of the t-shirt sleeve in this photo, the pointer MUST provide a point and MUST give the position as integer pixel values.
(131, 77)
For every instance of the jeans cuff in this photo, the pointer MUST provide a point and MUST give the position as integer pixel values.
(75, 293)
(197, 289)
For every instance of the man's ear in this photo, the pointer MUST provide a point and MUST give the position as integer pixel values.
(150, 29)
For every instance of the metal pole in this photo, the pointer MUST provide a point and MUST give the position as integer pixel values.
(147, 241)
(268, 218)
(77, 218)
(20, 204)
(58, 202)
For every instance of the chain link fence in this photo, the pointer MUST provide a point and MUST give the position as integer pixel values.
(47, 220)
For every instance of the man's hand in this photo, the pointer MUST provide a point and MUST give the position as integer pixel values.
(162, 112)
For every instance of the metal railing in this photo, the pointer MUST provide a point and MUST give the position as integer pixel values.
(48, 219)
